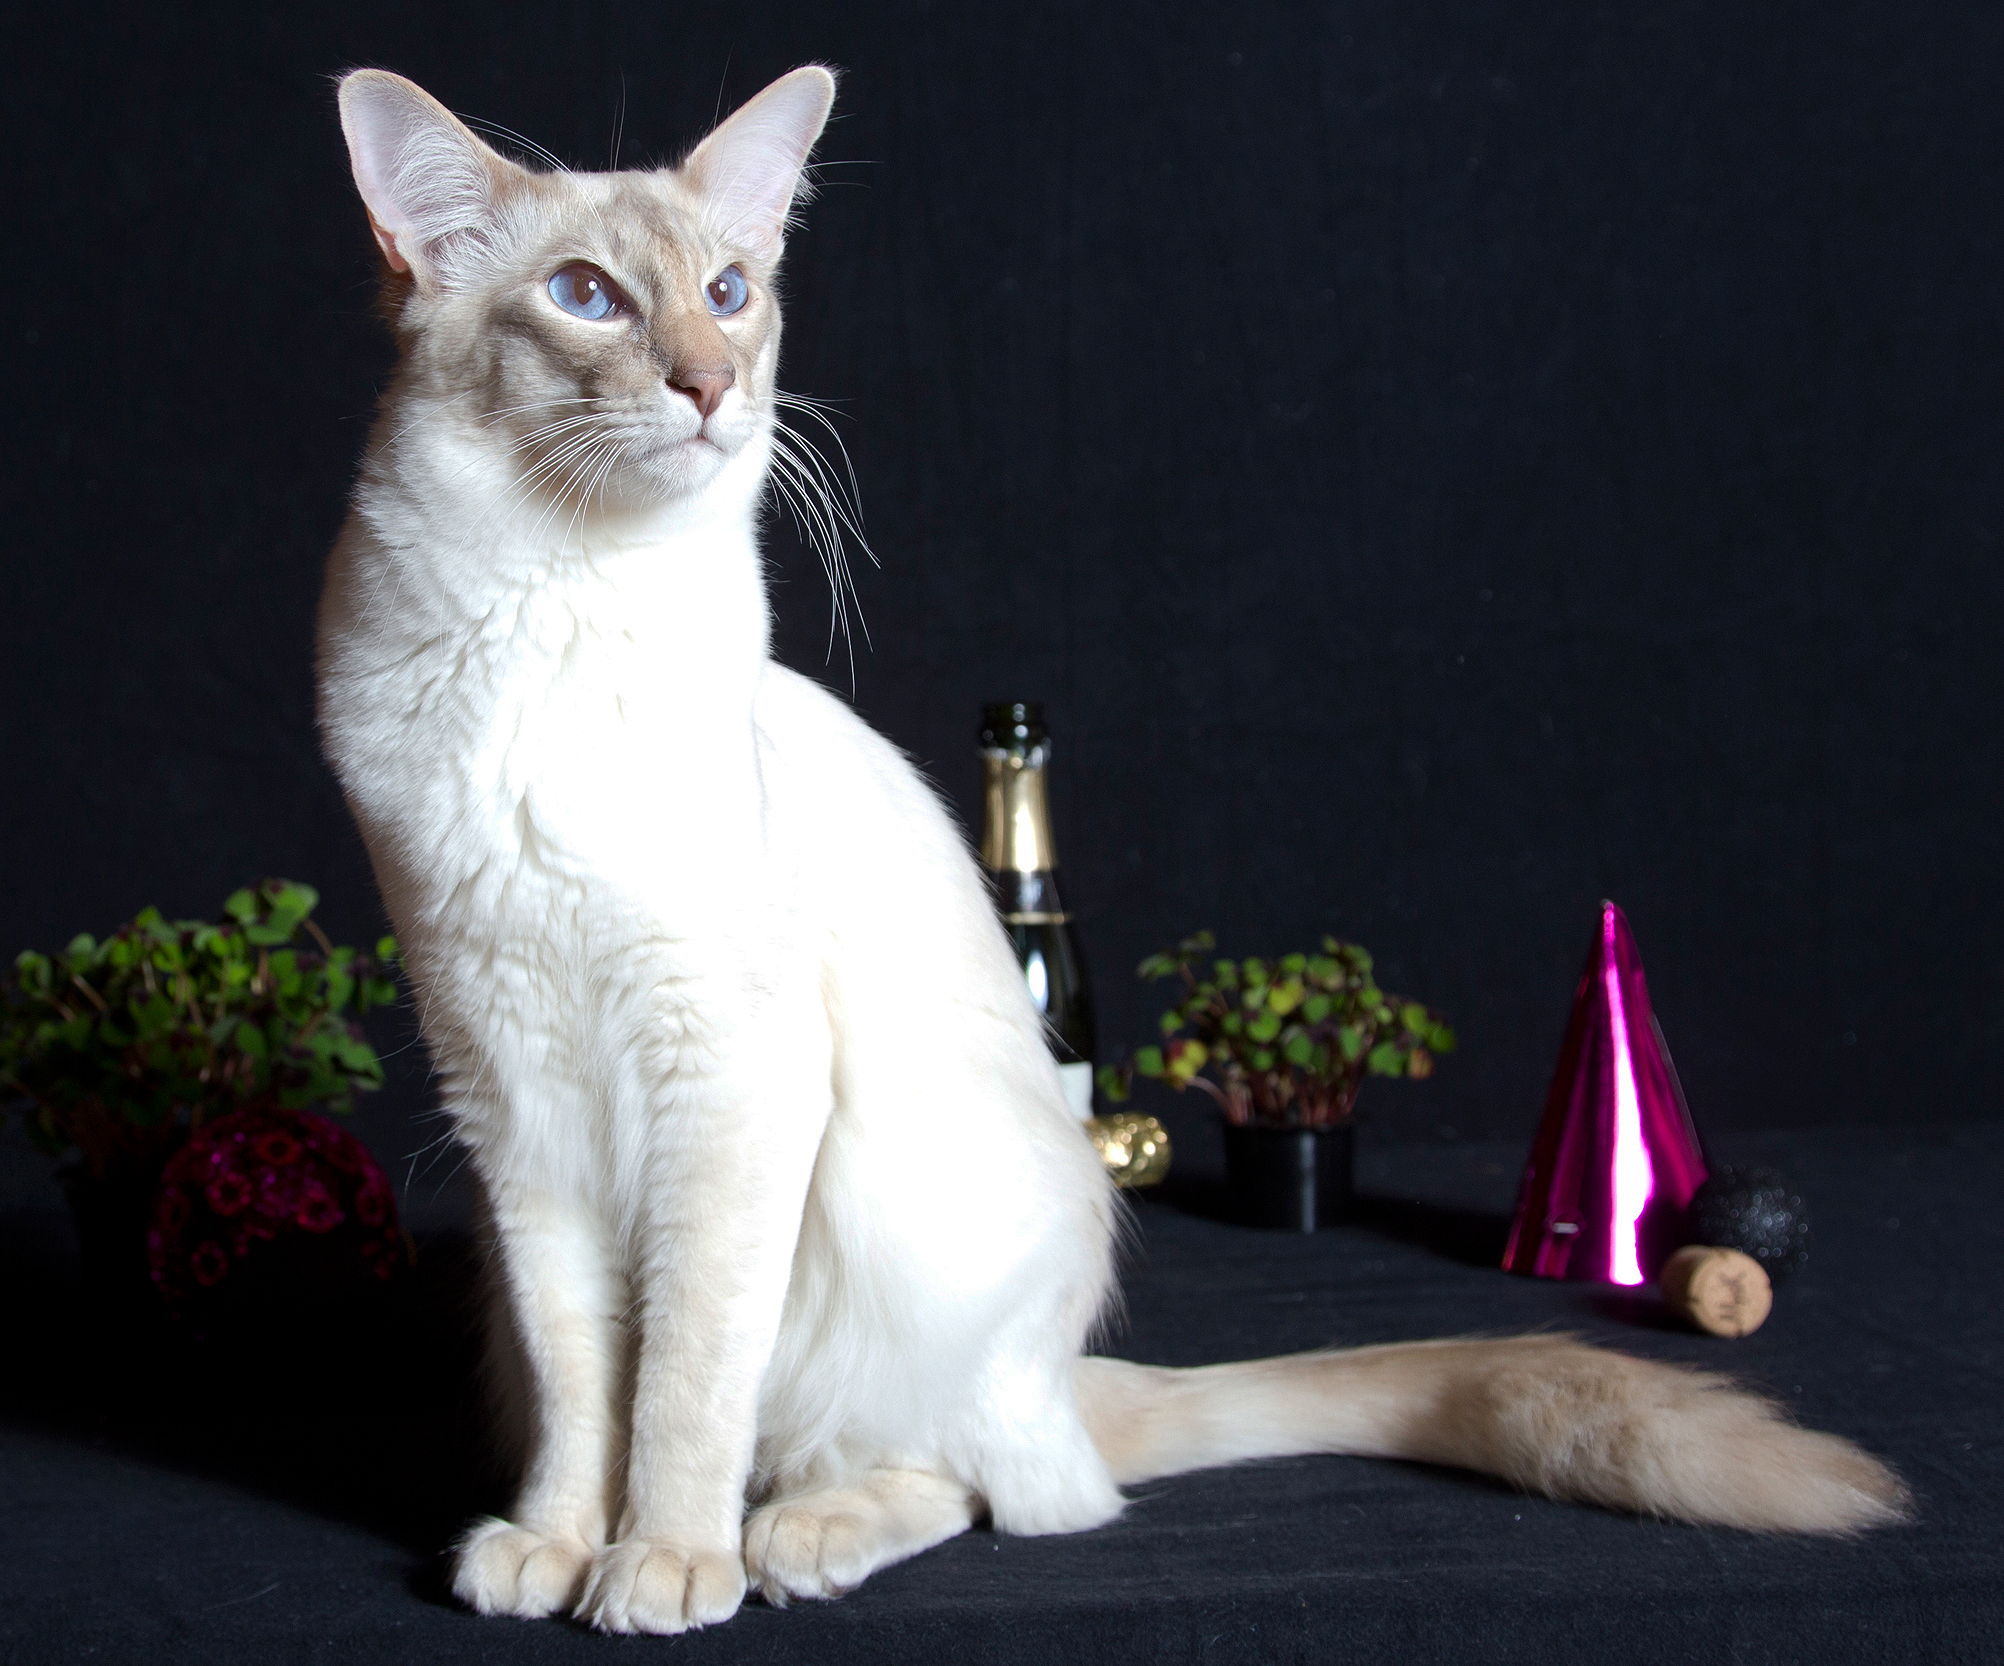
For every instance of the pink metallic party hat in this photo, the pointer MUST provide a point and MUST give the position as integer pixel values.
(1616, 1159)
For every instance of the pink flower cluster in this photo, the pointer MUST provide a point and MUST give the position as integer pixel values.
(253, 1177)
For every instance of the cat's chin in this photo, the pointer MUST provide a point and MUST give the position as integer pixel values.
(681, 469)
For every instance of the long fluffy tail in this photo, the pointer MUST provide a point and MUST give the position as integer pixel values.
(1545, 1413)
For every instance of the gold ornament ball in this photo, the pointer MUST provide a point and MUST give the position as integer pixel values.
(1135, 1148)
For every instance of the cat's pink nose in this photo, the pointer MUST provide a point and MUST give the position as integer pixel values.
(704, 384)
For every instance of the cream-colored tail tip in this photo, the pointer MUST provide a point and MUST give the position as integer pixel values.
(1895, 1506)
(1862, 1495)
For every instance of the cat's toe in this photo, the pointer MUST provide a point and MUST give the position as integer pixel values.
(505, 1569)
(656, 1586)
(797, 1550)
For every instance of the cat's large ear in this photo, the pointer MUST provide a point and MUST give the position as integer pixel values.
(748, 170)
(430, 186)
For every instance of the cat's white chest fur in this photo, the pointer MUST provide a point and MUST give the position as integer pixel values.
(706, 971)
(598, 714)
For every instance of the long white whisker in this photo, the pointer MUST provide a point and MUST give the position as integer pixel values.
(796, 506)
(823, 413)
(837, 515)
(815, 533)
(848, 506)
(569, 460)
(581, 482)
(567, 455)
(819, 510)
(575, 446)
(393, 564)
(822, 529)
(813, 498)
(806, 524)
(428, 411)
(501, 411)
(604, 463)
(515, 491)
(493, 416)
(538, 151)
(542, 152)
(544, 431)
(822, 534)
(586, 454)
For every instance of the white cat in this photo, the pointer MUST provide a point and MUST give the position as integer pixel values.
(702, 963)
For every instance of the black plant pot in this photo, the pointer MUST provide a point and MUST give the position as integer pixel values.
(1292, 1179)
(109, 1212)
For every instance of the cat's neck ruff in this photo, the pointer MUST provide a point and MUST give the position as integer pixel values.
(443, 500)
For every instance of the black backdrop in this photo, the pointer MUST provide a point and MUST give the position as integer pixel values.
(1439, 463)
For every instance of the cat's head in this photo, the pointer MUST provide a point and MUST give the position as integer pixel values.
(598, 337)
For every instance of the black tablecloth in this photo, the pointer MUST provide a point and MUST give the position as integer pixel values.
(167, 1503)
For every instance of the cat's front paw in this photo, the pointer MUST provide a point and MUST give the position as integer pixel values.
(656, 1585)
(505, 1569)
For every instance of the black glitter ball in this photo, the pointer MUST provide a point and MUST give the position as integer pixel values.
(1756, 1211)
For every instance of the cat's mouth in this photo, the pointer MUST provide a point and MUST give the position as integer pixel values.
(672, 435)
(676, 444)
(679, 462)
(725, 438)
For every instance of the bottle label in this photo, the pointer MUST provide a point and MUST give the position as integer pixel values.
(1078, 1088)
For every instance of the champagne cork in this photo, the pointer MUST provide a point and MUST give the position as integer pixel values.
(1722, 1291)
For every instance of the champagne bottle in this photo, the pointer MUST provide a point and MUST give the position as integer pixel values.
(1022, 869)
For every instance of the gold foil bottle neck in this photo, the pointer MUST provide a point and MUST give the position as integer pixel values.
(1016, 818)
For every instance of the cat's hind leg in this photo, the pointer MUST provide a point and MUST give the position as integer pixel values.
(828, 1541)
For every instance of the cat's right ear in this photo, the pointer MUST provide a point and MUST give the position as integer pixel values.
(431, 187)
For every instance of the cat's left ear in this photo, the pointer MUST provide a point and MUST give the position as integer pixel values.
(749, 169)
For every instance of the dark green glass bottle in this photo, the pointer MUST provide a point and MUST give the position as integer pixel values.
(1022, 868)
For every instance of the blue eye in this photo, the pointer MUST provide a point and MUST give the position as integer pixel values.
(727, 292)
(583, 291)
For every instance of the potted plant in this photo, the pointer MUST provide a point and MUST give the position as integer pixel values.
(1283, 1046)
(171, 1068)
